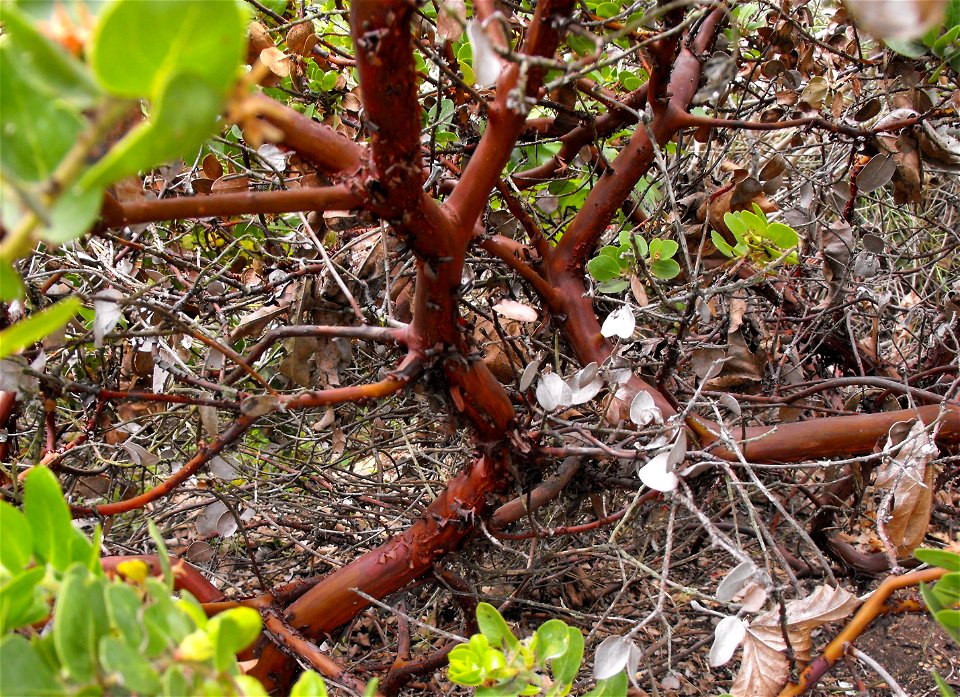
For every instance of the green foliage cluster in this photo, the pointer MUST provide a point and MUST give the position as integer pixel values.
(107, 636)
(56, 110)
(943, 599)
(611, 263)
(498, 664)
(757, 238)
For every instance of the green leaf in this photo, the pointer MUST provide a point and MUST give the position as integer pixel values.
(566, 667)
(611, 687)
(49, 517)
(614, 287)
(233, 631)
(35, 131)
(123, 612)
(665, 269)
(950, 621)
(494, 627)
(184, 114)
(22, 600)
(11, 287)
(17, 548)
(943, 686)
(939, 557)
(81, 620)
(310, 684)
(663, 249)
(139, 47)
(947, 589)
(38, 325)
(45, 64)
(721, 243)
(175, 683)
(735, 225)
(136, 672)
(73, 214)
(161, 553)
(551, 640)
(24, 672)
(603, 268)
(782, 235)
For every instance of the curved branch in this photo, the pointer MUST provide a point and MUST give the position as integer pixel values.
(186, 577)
(275, 202)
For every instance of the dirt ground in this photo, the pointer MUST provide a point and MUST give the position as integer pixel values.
(908, 647)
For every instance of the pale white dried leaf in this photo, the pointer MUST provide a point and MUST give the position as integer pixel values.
(486, 62)
(613, 655)
(727, 636)
(764, 669)
(222, 467)
(140, 455)
(227, 525)
(258, 405)
(658, 474)
(511, 309)
(207, 521)
(643, 410)
(107, 313)
(620, 323)
(209, 421)
(553, 392)
(584, 393)
(273, 157)
(529, 373)
(734, 581)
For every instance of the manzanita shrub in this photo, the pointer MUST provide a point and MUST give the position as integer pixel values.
(757, 238)
(498, 664)
(103, 636)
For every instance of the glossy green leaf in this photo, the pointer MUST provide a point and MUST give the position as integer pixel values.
(49, 517)
(38, 325)
(947, 589)
(735, 225)
(24, 673)
(603, 268)
(939, 557)
(73, 214)
(665, 269)
(161, 553)
(11, 287)
(950, 621)
(46, 65)
(943, 686)
(611, 687)
(310, 684)
(721, 243)
(22, 601)
(233, 631)
(175, 683)
(81, 620)
(551, 640)
(135, 672)
(566, 667)
(123, 612)
(663, 249)
(35, 130)
(782, 235)
(183, 116)
(17, 548)
(139, 47)
(494, 627)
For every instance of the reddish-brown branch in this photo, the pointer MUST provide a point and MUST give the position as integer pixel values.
(332, 152)
(506, 119)
(865, 615)
(695, 121)
(270, 202)
(228, 437)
